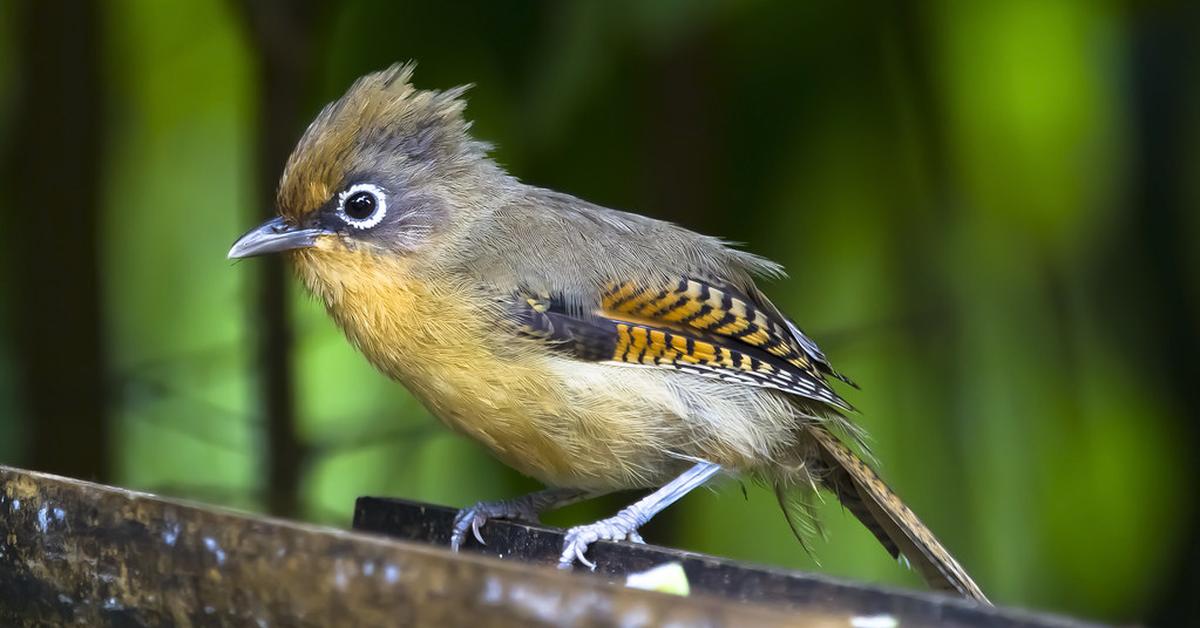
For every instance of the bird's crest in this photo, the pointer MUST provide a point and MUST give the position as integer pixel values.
(381, 118)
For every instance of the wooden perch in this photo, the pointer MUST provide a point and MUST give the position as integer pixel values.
(709, 575)
(73, 552)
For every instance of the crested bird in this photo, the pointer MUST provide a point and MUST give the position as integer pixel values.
(592, 349)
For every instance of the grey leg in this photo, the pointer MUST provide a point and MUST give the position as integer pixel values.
(526, 508)
(624, 524)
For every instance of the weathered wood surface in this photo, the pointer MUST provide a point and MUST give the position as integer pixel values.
(76, 553)
(706, 574)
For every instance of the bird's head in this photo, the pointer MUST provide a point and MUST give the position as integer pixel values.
(381, 176)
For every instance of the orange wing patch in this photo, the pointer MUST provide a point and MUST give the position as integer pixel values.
(648, 346)
(710, 309)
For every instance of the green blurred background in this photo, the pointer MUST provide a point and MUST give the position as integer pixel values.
(988, 212)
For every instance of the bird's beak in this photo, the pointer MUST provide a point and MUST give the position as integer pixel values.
(274, 236)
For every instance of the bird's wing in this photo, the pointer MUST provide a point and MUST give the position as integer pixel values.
(806, 344)
(692, 325)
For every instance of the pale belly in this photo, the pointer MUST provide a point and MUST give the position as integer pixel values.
(598, 426)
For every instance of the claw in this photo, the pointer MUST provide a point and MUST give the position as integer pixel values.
(474, 518)
(583, 559)
(477, 523)
(621, 527)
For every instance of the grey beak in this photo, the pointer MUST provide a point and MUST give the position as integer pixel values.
(273, 236)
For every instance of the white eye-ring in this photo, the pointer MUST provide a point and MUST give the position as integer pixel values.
(362, 205)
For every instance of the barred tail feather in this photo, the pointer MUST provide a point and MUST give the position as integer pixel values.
(835, 467)
(901, 533)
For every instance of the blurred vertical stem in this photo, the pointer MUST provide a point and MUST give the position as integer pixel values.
(919, 274)
(56, 172)
(281, 35)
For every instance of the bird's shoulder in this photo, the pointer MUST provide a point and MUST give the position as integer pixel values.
(555, 242)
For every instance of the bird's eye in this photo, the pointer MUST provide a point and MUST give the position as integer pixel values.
(362, 205)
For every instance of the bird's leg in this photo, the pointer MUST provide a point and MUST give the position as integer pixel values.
(624, 524)
(525, 508)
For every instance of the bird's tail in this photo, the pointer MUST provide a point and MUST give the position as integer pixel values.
(863, 493)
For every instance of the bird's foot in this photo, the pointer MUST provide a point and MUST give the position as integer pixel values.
(621, 527)
(522, 508)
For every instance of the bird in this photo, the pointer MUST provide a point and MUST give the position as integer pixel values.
(592, 349)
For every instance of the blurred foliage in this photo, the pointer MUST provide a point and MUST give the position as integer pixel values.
(966, 196)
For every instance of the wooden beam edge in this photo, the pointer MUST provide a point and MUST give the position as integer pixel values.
(78, 552)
